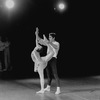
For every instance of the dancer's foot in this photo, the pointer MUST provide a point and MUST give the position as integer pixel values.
(47, 88)
(41, 91)
(58, 90)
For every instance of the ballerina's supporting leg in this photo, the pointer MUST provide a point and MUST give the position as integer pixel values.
(41, 74)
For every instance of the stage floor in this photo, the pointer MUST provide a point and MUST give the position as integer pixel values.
(71, 89)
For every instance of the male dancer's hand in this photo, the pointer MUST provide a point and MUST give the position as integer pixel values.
(45, 39)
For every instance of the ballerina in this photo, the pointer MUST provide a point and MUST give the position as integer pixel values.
(41, 62)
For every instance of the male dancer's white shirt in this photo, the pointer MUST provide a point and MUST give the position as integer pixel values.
(55, 50)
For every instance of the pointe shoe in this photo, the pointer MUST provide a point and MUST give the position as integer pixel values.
(41, 91)
(47, 89)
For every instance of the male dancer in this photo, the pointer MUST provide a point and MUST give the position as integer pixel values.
(52, 64)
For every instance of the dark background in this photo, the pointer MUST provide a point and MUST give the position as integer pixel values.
(75, 31)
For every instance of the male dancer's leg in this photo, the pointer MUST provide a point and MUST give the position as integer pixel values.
(54, 70)
(49, 74)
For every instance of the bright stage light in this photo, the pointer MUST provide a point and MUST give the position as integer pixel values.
(9, 4)
(61, 6)
(15, 9)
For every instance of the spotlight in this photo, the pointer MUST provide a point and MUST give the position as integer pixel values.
(9, 4)
(61, 6)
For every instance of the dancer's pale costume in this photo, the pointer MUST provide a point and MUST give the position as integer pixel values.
(41, 62)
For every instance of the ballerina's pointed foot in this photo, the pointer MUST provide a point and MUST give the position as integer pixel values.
(41, 91)
(47, 89)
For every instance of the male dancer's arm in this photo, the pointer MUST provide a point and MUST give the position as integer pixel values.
(55, 46)
(42, 41)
